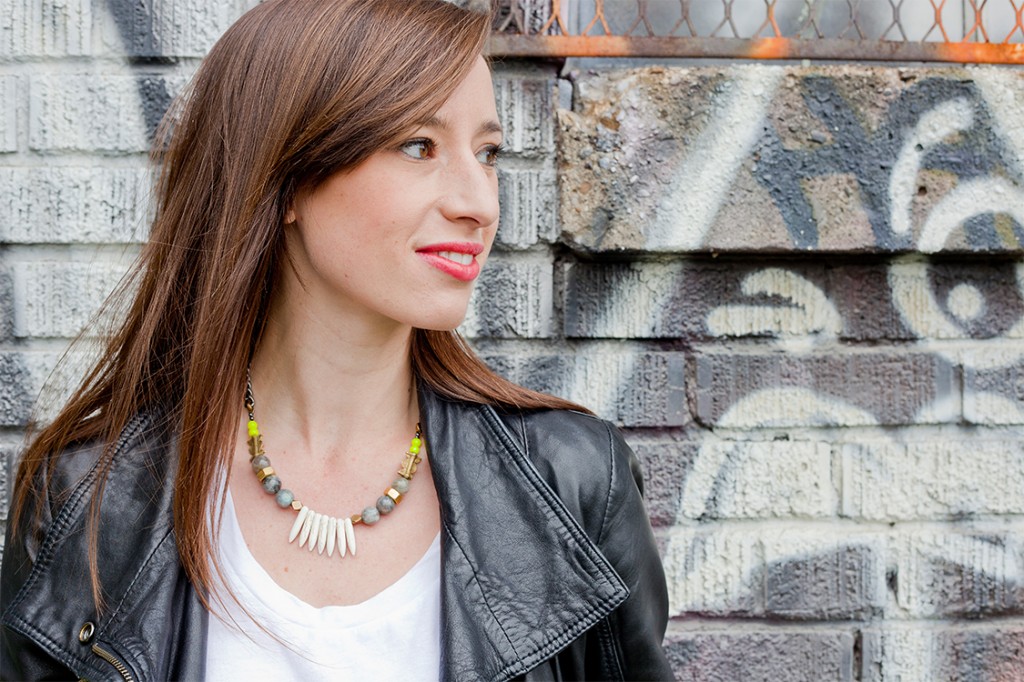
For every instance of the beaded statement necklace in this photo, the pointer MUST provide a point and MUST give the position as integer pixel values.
(316, 530)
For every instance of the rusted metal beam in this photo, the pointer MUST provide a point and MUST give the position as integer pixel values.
(755, 48)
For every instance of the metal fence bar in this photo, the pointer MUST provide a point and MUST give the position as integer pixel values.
(966, 31)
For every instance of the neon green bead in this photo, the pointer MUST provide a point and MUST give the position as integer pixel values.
(254, 430)
(416, 442)
(414, 450)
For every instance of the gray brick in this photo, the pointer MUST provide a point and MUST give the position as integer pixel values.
(16, 389)
(30, 376)
(8, 459)
(757, 390)
(666, 467)
(6, 305)
(513, 299)
(793, 656)
(971, 652)
(928, 479)
(528, 207)
(994, 387)
(58, 299)
(169, 28)
(48, 28)
(838, 579)
(9, 101)
(73, 205)
(956, 572)
(526, 109)
(632, 389)
(95, 112)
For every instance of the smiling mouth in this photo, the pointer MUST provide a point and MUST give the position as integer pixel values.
(456, 257)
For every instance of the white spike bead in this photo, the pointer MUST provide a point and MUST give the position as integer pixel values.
(350, 535)
(342, 544)
(315, 532)
(321, 541)
(332, 535)
(297, 526)
(306, 527)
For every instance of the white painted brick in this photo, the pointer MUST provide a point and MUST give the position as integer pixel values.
(528, 207)
(713, 572)
(885, 480)
(9, 102)
(50, 28)
(957, 650)
(735, 479)
(526, 110)
(178, 28)
(950, 571)
(57, 299)
(90, 112)
(73, 205)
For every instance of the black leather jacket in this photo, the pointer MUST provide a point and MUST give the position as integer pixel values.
(549, 567)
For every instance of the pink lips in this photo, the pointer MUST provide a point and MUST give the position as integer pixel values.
(454, 252)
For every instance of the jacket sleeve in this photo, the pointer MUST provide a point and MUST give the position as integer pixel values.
(20, 658)
(634, 631)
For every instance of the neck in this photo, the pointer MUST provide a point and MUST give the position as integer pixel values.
(328, 384)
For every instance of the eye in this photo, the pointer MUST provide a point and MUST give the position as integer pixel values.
(490, 154)
(420, 148)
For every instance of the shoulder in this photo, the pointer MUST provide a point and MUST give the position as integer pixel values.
(584, 459)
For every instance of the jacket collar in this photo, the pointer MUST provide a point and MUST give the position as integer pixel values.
(520, 579)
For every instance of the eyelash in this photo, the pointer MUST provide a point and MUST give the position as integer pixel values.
(494, 152)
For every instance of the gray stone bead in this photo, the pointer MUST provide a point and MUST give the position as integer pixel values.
(260, 462)
(401, 485)
(370, 516)
(284, 497)
(272, 484)
(385, 504)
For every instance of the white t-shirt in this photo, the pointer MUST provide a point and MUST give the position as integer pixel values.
(393, 635)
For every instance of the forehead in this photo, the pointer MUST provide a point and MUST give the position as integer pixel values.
(473, 98)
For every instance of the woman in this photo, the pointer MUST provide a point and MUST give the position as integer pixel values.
(327, 196)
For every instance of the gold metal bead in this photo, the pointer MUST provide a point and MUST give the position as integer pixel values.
(394, 495)
(296, 505)
(356, 518)
(264, 472)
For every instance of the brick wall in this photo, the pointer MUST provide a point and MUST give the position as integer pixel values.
(799, 289)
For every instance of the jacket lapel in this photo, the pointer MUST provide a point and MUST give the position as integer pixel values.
(519, 578)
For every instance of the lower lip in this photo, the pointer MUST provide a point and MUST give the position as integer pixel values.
(464, 273)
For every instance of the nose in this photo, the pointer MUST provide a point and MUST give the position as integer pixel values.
(470, 192)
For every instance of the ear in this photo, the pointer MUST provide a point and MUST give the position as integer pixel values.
(289, 216)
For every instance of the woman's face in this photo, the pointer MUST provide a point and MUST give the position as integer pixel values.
(403, 235)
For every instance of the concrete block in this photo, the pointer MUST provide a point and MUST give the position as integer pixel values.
(69, 205)
(960, 572)
(169, 28)
(45, 28)
(632, 389)
(526, 110)
(767, 158)
(6, 305)
(529, 205)
(8, 464)
(759, 480)
(994, 388)
(58, 299)
(766, 654)
(9, 103)
(513, 299)
(887, 480)
(109, 113)
(961, 651)
(759, 390)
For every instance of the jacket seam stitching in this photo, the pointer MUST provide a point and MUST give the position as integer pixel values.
(117, 613)
(611, 483)
(609, 642)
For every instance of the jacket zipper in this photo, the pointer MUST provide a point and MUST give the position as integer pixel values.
(114, 661)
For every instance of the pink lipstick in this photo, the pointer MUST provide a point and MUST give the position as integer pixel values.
(457, 259)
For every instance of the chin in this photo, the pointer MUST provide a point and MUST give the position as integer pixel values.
(441, 321)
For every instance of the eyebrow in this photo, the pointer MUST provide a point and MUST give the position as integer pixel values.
(490, 126)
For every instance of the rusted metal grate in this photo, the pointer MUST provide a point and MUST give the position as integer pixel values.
(892, 30)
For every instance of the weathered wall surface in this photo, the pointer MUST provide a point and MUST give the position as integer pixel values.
(800, 290)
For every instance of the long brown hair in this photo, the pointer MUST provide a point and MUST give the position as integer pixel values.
(294, 92)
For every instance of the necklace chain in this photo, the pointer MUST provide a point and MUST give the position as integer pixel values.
(313, 529)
